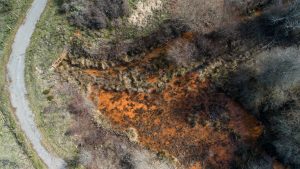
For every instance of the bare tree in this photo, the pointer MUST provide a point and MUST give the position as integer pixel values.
(182, 52)
(201, 15)
(269, 88)
(94, 14)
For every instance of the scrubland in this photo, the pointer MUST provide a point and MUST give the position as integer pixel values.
(202, 84)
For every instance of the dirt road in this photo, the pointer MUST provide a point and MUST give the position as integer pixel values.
(17, 88)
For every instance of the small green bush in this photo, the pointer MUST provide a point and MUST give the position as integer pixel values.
(5, 5)
(46, 92)
(50, 98)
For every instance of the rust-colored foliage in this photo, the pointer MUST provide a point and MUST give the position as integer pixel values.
(163, 125)
(184, 119)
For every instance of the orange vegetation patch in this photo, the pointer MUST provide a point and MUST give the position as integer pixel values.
(152, 80)
(185, 120)
(188, 36)
(196, 166)
(278, 165)
(77, 34)
(92, 72)
(242, 123)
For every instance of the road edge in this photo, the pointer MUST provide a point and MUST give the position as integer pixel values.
(5, 106)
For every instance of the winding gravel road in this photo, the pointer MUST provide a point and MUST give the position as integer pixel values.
(17, 89)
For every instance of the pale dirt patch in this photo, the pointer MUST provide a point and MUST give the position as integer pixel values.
(144, 10)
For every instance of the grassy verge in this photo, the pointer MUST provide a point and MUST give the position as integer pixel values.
(49, 105)
(15, 150)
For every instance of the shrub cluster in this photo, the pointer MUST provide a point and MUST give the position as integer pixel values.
(168, 30)
(280, 25)
(5, 5)
(270, 89)
(245, 7)
(267, 85)
(94, 14)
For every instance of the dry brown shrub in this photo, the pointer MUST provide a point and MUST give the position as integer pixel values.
(201, 15)
(182, 52)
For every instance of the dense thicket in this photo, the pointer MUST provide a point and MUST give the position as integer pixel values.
(168, 30)
(246, 7)
(280, 26)
(5, 5)
(205, 16)
(94, 14)
(250, 157)
(269, 87)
